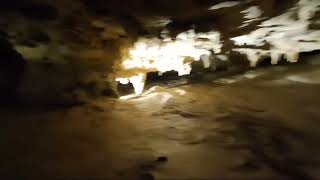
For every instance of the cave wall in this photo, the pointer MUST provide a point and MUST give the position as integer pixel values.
(65, 51)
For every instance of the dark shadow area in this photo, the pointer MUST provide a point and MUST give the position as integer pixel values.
(271, 143)
(12, 67)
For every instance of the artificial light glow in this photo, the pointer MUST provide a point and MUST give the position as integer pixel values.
(152, 55)
(137, 82)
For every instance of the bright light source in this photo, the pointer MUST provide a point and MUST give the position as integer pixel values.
(152, 55)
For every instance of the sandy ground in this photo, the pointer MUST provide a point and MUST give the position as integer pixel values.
(259, 125)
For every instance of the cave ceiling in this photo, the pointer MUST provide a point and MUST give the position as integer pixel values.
(70, 30)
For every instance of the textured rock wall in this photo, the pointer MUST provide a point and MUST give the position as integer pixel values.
(68, 50)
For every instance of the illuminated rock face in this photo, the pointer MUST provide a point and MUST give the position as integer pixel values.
(287, 34)
(122, 41)
(150, 55)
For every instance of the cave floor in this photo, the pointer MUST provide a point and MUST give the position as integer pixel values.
(261, 124)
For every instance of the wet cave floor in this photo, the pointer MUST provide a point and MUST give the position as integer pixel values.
(263, 124)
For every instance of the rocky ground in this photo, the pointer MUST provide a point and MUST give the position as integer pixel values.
(262, 124)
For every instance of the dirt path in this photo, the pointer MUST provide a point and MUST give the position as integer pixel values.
(262, 124)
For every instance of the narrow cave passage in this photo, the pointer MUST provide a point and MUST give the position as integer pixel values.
(180, 89)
